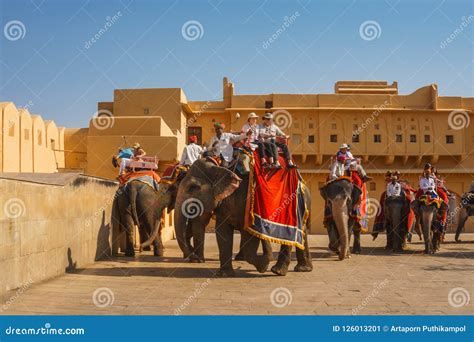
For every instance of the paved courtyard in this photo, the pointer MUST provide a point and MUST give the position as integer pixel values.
(372, 283)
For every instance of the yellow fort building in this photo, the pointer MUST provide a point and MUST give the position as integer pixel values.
(386, 130)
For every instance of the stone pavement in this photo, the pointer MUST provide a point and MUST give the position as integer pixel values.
(372, 283)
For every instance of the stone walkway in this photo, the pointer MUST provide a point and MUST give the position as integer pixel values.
(372, 283)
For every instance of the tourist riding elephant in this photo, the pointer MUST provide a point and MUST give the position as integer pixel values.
(207, 189)
(467, 210)
(341, 196)
(397, 209)
(139, 204)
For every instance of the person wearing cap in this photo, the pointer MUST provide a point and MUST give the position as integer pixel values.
(191, 152)
(351, 162)
(138, 151)
(267, 133)
(427, 181)
(125, 155)
(221, 143)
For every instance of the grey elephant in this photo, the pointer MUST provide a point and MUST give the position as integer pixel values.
(207, 189)
(396, 211)
(341, 196)
(466, 210)
(139, 204)
(426, 212)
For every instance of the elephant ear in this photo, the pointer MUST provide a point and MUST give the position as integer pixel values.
(225, 182)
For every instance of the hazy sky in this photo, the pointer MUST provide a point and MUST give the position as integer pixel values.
(50, 64)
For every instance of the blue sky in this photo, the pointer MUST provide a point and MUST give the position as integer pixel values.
(46, 66)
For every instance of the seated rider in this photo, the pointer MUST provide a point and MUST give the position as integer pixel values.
(125, 155)
(379, 221)
(221, 143)
(427, 182)
(394, 188)
(443, 193)
(351, 163)
(251, 142)
(268, 132)
(191, 152)
(138, 151)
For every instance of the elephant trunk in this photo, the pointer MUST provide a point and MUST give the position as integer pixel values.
(427, 214)
(341, 218)
(153, 235)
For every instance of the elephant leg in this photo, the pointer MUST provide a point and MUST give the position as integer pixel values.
(389, 232)
(426, 236)
(303, 257)
(461, 222)
(356, 249)
(251, 244)
(267, 249)
(333, 238)
(199, 232)
(158, 248)
(284, 258)
(240, 255)
(225, 238)
(128, 228)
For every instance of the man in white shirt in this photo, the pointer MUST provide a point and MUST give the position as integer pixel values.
(268, 132)
(394, 188)
(352, 163)
(191, 152)
(222, 143)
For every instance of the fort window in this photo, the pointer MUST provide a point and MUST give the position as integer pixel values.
(40, 138)
(372, 186)
(449, 139)
(333, 138)
(413, 127)
(146, 111)
(311, 139)
(427, 128)
(355, 138)
(377, 126)
(268, 104)
(398, 138)
(377, 138)
(296, 138)
(296, 125)
(311, 125)
(427, 138)
(53, 144)
(333, 126)
(26, 134)
(413, 138)
(11, 130)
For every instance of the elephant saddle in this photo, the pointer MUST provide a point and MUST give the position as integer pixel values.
(148, 177)
(277, 210)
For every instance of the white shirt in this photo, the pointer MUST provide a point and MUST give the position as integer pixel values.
(191, 153)
(224, 145)
(253, 137)
(427, 184)
(394, 190)
(272, 130)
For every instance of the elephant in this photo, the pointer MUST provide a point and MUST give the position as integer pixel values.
(207, 189)
(396, 211)
(341, 196)
(426, 215)
(139, 204)
(466, 210)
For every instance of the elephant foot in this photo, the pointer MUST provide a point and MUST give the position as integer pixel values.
(280, 270)
(262, 264)
(343, 255)
(303, 268)
(388, 248)
(458, 240)
(334, 249)
(225, 272)
(158, 253)
(147, 248)
(398, 250)
(130, 252)
(356, 250)
(240, 256)
(193, 258)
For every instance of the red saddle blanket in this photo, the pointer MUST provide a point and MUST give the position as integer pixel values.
(148, 177)
(277, 209)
